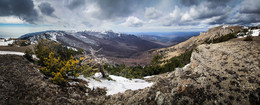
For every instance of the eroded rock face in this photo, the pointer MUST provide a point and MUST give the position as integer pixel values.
(223, 73)
(212, 33)
(22, 83)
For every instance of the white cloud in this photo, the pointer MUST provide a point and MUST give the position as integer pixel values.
(250, 6)
(11, 19)
(152, 13)
(186, 17)
(176, 13)
(133, 22)
(173, 18)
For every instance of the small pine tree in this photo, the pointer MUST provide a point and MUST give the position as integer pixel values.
(52, 64)
(248, 38)
(28, 55)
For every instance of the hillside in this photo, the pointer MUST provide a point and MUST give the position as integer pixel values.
(112, 44)
(211, 34)
(22, 83)
(168, 40)
(222, 73)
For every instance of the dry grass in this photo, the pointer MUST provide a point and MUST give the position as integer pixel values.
(15, 48)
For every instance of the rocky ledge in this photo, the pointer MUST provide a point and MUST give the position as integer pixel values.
(223, 73)
(22, 83)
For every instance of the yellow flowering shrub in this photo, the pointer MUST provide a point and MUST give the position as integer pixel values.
(59, 69)
(58, 79)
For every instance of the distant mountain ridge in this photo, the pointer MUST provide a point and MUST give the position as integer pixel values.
(224, 32)
(167, 40)
(112, 43)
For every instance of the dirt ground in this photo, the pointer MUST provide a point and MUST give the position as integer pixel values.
(16, 48)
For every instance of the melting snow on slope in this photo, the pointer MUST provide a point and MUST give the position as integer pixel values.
(255, 32)
(5, 43)
(117, 85)
(15, 53)
(225, 26)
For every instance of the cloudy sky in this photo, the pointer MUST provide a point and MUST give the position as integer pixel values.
(23, 16)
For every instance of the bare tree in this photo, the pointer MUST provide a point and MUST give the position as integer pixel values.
(98, 61)
(93, 52)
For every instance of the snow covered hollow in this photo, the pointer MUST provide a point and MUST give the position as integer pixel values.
(225, 26)
(15, 53)
(255, 32)
(3, 42)
(117, 85)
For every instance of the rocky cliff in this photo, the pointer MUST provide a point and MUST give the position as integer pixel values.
(211, 34)
(21, 83)
(223, 73)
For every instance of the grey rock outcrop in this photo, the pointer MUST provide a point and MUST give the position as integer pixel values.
(223, 73)
(21, 83)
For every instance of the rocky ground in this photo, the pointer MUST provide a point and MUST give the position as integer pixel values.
(222, 73)
(22, 83)
(212, 33)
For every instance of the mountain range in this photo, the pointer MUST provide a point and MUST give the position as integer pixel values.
(112, 44)
(222, 70)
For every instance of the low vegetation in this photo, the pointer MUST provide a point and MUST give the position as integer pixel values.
(153, 69)
(59, 62)
(28, 55)
(222, 38)
(248, 38)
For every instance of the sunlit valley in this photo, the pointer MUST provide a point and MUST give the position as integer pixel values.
(161, 52)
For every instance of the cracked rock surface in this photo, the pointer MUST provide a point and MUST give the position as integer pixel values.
(222, 73)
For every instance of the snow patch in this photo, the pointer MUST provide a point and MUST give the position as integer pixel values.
(53, 35)
(225, 26)
(146, 77)
(73, 83)
(3, 42)
(72, 48)
(11, 52)
(255, 32)
(82, 36)
(15, 53)
(186, 66)
(117, 85)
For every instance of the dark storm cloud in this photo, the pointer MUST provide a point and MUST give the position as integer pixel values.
(121, 8)
(46, 8)
(244, 19)
(200, 11)
(189, 2)
(152, 13)
(213, 8)
(250, 7)
(221, 20)
(116, 8)
(72, 4)
(248, 13)
(24, 9)
(213, 3)
(208, 8)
